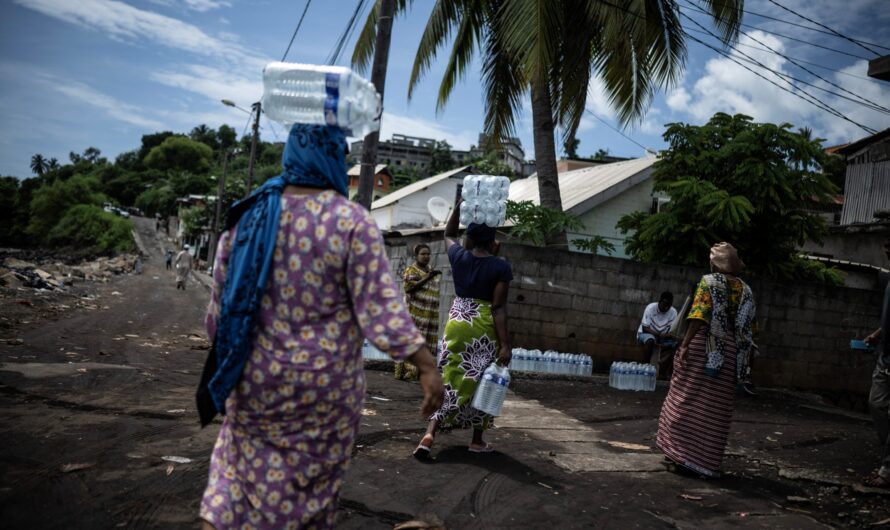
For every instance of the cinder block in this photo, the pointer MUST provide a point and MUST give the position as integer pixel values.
(555, 300)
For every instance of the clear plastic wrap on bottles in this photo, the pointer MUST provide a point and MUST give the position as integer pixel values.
(332, 95)
(485, 198)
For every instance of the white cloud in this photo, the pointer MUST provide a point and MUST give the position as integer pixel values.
(598, 100)
(728, 87)
(124, 22)
(195, 5)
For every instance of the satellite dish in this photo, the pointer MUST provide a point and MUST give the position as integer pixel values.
(439, 209)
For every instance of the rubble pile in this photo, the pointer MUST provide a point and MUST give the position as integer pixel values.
(16, 273)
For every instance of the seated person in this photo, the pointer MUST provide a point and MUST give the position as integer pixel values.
(654, 330)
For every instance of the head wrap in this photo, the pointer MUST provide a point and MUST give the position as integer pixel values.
(480, 234)
(725, 259)
(314, 156)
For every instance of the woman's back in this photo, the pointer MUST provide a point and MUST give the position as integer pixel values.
(474, 276)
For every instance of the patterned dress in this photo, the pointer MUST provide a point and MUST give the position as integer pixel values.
(697, 414)
(423, 305)
(290, 423)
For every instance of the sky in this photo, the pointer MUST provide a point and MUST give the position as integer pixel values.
(101, 73)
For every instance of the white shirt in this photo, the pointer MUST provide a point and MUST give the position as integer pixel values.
(656, 320)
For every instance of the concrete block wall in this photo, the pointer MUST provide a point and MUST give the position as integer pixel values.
(582, 303)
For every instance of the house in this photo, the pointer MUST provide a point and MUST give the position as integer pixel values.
(600, 196)
(863, 226)
(570, 164)
(199, 244)
(407, 207)
(382, 180)
(401, 151)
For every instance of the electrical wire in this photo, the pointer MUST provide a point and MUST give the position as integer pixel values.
(246, 125)
(334, 56)
(798, 59)
(809, 98)
(803, 95)
(619, 131)
(294, 36)
(868, 103)
(804, 26)
(777, 34)
(854, 41)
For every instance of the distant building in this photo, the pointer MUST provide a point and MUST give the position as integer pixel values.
(382, 180)
(417, 153)
(401, 151)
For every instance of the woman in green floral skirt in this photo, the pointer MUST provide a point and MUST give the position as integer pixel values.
(475, 334)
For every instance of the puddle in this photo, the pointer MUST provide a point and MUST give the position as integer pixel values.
(41, 370)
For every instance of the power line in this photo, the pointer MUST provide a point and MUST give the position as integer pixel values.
(810, 98)
(294, 36)
(341, 42)
(798, 59)
(246, 125)
(868, 103)
(609, 125)
(854, 41)
(804, 26)
(789, 37)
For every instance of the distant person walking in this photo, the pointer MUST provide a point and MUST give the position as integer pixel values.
(421, 283)
(697, 413)
(168, 257)
(183, 262)
(475, 334)
(301, 279)
(879, 397)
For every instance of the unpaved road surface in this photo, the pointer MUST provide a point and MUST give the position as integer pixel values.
(100, 390)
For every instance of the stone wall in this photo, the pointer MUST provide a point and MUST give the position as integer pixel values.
(581, 303)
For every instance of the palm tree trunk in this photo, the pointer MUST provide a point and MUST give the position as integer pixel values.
(545, 150)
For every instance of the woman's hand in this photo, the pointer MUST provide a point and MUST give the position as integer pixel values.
(682, 350)
(874, 338)
(430, 381)
(505, 355)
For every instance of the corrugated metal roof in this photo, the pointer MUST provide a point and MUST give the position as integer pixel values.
(582, 189)
(414, 187)
(356, 170)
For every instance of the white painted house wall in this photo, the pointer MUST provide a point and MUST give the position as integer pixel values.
(602, 218)
(411, 211)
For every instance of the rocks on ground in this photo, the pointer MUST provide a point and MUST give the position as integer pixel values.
(51, 275)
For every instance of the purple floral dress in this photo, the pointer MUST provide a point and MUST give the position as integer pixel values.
(290, 423)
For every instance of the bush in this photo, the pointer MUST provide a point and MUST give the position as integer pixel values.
(52, 201)
(90, 230)
(538, 225)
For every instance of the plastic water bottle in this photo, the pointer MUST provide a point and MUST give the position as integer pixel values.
(321, 95)
(653, 374)
(588, 366)
(492, 389)
(613, 368)
(485, 199)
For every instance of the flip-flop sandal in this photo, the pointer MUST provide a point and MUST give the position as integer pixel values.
(487, 448)
(876, 481)
(423, 452)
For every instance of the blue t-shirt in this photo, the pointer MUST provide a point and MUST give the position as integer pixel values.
(476, 277)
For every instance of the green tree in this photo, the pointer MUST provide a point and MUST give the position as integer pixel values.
(159, 199)
(52, 164)
(751, 184)
(11, 230)
(441, 158)
(491, 164)
(51, 201)
(195, 220)
(206, 135)
(178, 153)
(550, 49)
(226, 137)
(38, 165)
(150, 141)
(92, 154)
(570, 147)
(88, 230)
(600, 154)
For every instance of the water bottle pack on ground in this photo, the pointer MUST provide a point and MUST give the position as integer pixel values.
(371, 353)
(319, 95)
(485, 200)
(551, 362)
(492, 390)
(632, 376)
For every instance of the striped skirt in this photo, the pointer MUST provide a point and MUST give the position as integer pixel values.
(697, 413)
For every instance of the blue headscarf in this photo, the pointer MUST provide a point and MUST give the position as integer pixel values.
(314, 156)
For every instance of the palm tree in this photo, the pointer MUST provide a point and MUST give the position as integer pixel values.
(38, 165)
(550, 50)
(52, 164)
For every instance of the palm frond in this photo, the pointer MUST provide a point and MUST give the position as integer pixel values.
(469, 33)
(503, 85)
(727, 17)
(445, 16)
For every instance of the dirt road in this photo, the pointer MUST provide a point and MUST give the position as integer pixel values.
(93, 400)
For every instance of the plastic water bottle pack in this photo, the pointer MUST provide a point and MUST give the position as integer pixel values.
(485, 200)
(492, 390)
(632, 376)
(320, 95)
(371, 353)
(551, 362)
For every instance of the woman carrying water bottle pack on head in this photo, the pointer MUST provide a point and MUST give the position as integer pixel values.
(476, 331)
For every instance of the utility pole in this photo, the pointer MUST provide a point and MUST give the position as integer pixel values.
(378, 78)
(220, 191)
(257, 109)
